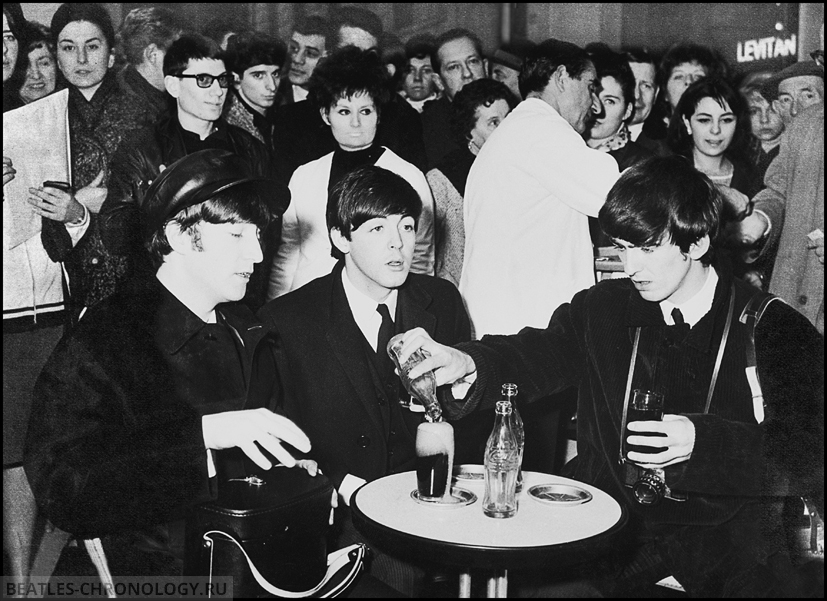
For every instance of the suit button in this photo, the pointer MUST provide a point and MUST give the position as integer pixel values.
(393, 432)
(390, 453)
(380, 400)
(363, 442)
(802, 300)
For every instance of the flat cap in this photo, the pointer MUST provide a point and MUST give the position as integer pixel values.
(201, 175)
(769, 89)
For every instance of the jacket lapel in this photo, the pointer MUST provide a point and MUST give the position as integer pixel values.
(346, 341)
(413, 308)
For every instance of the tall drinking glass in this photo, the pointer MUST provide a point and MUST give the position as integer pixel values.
(644, 406)
(434, 459)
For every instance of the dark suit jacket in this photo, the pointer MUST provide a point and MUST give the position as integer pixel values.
(333, 391)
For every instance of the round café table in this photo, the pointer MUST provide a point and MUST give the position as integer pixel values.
(464, 537)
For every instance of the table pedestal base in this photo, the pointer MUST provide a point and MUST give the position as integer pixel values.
(497, 585)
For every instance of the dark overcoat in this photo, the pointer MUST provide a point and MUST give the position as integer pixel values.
(116, 440)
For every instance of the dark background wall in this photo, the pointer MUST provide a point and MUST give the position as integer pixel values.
(654, 25)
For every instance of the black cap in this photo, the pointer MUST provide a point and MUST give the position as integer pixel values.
(201, 175)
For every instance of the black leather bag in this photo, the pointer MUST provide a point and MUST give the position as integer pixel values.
(269, 533)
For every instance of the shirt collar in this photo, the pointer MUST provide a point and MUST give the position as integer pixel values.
(697, 306)
(420, 104)
(364, 309)
(299, 93)
(635, 131)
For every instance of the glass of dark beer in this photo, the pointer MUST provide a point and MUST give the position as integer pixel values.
(434, 460)
(644, 406)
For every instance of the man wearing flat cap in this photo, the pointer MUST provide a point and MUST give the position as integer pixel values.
(795, 88)
(789, 211)
(134, 403)
(506, 63)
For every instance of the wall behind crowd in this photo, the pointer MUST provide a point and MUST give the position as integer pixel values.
(740, 31)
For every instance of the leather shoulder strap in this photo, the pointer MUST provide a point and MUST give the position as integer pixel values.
(750, 316)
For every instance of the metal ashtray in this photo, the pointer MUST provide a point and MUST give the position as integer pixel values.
(459, 498)
(559, 494)
(470, 474)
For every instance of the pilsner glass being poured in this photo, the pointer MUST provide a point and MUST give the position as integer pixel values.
(434, 437)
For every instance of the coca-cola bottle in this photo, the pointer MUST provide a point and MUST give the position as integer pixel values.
(502, 463)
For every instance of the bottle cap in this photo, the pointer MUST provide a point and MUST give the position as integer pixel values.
(509, 389)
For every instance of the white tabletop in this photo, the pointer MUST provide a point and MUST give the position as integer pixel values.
(387, 501)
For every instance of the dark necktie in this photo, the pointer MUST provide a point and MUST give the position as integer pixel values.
(385, 333)
(677, 332)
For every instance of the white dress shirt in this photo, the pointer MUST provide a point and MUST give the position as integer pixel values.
(364, 310)
(697, 306)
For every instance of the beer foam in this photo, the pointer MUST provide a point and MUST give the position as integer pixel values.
(433, 438)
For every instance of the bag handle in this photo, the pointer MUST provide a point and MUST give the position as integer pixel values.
(335, 562)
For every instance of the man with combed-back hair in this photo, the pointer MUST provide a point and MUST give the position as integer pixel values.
(144, 38)
(536, 169)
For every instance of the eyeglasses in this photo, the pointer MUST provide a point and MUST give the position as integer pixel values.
(204, 80)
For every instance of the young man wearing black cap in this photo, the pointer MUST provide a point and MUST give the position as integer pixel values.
(132, 404)
(198, 80)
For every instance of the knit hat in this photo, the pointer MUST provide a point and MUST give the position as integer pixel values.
(91, 12)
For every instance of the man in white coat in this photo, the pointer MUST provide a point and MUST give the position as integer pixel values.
(529, 195)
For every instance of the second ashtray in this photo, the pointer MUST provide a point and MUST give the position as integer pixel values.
(559, 494)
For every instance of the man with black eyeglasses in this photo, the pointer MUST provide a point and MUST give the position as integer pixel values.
(197, 80)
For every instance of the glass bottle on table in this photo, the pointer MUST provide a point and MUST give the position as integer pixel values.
(509, 393)
(502, 463)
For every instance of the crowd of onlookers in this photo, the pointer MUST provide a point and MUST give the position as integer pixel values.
(499, 146)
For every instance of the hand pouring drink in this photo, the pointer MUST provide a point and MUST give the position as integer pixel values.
(434, 437)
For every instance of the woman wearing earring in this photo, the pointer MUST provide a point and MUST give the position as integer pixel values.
(350, 88)
(711, 128)
(476, 111)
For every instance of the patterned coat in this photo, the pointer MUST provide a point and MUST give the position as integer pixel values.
(96, 129)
